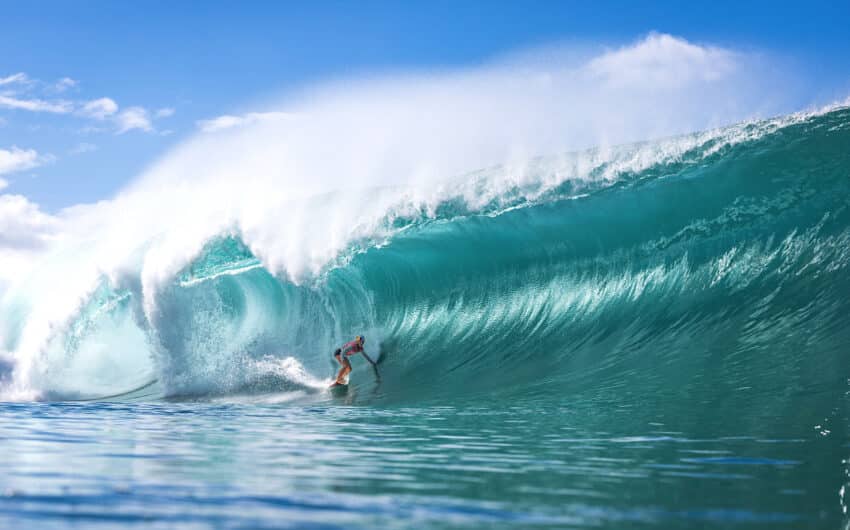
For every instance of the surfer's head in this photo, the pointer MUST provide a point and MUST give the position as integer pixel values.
(360, 339)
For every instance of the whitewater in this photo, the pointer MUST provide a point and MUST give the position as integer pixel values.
(566, 313)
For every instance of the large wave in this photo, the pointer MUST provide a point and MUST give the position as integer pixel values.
(239, 261)
(708, 261)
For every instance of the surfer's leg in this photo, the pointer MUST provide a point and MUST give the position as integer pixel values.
(344, 371)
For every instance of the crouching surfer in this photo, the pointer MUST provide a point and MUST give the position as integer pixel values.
(341, 355)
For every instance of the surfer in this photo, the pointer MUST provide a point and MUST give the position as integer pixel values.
(348, 349)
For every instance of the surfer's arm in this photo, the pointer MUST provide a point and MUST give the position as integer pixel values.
(374, 365)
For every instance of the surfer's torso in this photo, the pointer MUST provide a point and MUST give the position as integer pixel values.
(352, 348)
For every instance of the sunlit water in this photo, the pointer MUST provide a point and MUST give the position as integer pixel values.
(595, 464)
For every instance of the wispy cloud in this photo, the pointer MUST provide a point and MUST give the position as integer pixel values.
(16, 94)
(20, 92)
(15, 159)
(99, 109)
(36, 105)
(134, 118)
(82, 147)
(20, 77)
(228, 121)
(3, 183)
(131, 118)
(64, 84)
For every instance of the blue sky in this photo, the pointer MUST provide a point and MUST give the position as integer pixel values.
(108, 86)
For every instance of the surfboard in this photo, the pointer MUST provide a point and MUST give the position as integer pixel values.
(337, 389)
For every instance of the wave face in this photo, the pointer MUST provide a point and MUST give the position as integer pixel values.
(716, 268)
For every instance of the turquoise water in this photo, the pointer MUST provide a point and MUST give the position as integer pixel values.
(602, 464)
(662, 342)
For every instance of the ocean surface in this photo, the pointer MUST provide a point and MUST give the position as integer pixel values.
(655, 335)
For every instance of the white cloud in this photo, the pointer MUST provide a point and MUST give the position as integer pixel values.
(663, 60)
(131, 118)
(64, 84)
(134, 118)
(100, 109)
(36, 105)
(228, 121)
(22, 93)
(25, 232)
(16, 159)
(20, 77)
(22, 223)
(165, 112)
(83, 147)
(3, 183)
